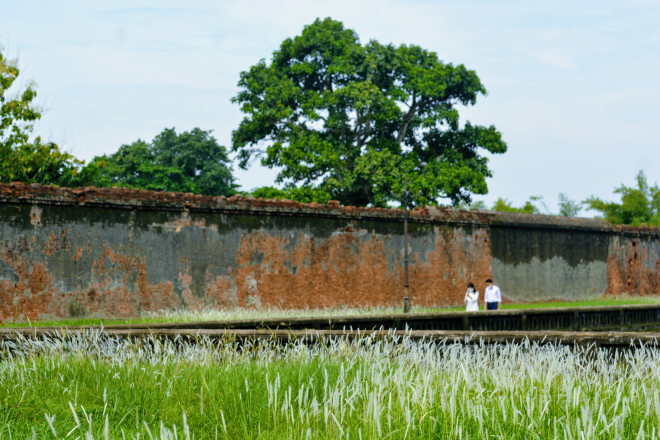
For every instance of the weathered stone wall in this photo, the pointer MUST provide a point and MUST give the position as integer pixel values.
(633, 263)
(117, 252)
(537, 258)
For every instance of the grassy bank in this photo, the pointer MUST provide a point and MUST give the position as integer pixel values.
(608, 301)
(93, 386)
(252, 313)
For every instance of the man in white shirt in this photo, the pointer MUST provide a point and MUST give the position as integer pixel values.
(492, 296)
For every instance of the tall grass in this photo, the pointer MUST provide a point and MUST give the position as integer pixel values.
(95, 386)
(182, 315)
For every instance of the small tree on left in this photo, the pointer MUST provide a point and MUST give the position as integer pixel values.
(25, 160)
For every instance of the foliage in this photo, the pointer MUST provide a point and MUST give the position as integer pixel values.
(303, 194)
(351, 120)
(17, 115)
(639, 205)
(188, 162)
(45, 164)
(478, 205)
(474, 205)
(568, 207)
(503, 205)
(536, 205)
(34, 161)
(268, 192)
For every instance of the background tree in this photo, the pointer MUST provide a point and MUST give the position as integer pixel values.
(27, 161)
(188, 162)
(568, 207)
(503, 205)
(475, 205)
(17, 114)
(640, 205)
(352, 120)
(303, 194)
(45, 164)
(535, 205)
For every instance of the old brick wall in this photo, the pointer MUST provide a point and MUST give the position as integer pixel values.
(118, 252)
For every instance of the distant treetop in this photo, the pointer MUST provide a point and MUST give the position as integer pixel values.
(639, 206)
(192, 161)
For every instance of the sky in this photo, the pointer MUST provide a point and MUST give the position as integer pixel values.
(573, 86)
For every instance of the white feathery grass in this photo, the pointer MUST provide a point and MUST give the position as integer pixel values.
(371, 387)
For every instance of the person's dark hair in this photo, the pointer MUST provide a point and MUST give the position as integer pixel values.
(489, 280)
(470, 285)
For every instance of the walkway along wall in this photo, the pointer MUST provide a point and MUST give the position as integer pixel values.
(118, 252)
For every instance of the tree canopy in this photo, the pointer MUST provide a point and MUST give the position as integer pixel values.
(192, 161)
(351, 120)
(25, 160)
(639, 205)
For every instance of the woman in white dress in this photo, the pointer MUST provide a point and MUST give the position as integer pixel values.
(471, 299)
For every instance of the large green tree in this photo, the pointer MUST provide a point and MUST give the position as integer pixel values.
(192, 161)
(25, 160)
(639, 205)
(351, 120)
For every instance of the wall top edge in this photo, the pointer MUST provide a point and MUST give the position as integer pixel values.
(137, 199)
(536, 221)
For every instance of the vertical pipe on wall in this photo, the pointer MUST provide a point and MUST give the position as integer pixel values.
(406, 297)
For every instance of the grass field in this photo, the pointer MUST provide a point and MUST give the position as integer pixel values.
(93, 386)
(253, 313)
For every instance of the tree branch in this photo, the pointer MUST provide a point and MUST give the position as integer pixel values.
(407, 119)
